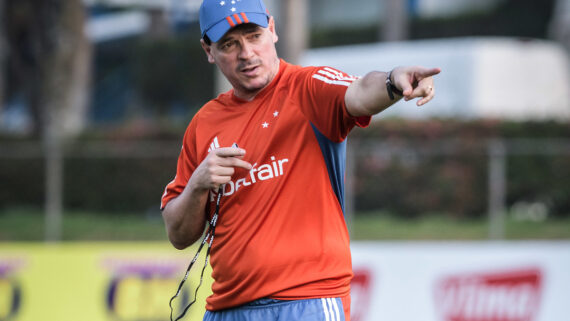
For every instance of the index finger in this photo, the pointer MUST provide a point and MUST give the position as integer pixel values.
(428, 72)
(229, 151)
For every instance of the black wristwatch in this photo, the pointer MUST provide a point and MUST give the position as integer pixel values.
(391, 88)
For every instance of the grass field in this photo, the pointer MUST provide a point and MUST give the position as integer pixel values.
(28, 225)
(385, 227)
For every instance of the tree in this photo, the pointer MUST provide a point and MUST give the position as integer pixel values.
(2, 56)
(52, 57)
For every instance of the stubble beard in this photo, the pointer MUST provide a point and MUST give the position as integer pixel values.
(254, 89)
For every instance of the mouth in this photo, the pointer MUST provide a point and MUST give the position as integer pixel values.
(250, 70)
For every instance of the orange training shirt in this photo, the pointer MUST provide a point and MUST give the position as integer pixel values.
(281, 231)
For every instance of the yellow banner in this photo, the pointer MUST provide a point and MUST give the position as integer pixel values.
(98, 282)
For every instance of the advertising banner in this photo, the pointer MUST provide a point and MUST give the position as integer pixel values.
(472, 281)
(428, 281)
(98, 282)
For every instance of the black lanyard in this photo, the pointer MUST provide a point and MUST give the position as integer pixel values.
(209, 235)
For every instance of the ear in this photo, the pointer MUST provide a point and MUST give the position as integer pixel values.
(271, 27)
(208, 51)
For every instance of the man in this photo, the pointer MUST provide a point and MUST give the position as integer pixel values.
(281, 248)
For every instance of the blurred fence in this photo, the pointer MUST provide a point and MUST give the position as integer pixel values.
(450, 175)
(405, 177)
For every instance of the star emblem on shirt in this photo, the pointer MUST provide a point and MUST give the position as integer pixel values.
(275, 114)
(222, 3)
(233, 2)
(264, 125)
(234, 9)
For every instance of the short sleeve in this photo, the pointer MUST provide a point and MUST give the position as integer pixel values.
(322, 91)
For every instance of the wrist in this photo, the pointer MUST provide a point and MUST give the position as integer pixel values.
(196, 186)
(391, 88)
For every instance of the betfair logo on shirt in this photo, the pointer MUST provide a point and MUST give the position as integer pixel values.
(271, 170)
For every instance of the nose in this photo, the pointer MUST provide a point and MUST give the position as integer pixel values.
(246, 50)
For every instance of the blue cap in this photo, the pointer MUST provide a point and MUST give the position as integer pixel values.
(218, 16)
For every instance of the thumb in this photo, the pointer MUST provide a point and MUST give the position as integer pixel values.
(401, 79)
(407, 88)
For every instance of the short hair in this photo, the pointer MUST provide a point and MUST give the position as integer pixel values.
(207, 40)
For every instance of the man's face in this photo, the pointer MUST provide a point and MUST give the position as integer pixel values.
(246, 55)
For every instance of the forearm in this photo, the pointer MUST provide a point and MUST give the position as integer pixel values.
(368, 96)
(185, 217)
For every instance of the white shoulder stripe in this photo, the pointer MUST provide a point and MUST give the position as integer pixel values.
(336, 77)
(328, 74)
(338, 73)
(345, 82)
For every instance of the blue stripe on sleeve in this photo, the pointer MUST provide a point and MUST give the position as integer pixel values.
(335, 159)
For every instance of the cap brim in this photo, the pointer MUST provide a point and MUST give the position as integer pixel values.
(217, 31)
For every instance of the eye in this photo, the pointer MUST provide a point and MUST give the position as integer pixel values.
(226, 45)
(254, 35)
